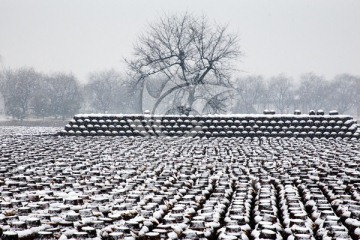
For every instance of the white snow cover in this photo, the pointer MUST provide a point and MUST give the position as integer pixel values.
(215, 115)
(149, 181)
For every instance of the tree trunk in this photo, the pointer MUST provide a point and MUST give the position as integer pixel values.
(137, 95)
(191, 97)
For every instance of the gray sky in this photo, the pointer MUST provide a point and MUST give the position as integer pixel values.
(277, 36)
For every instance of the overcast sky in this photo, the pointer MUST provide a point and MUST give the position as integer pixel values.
(276, 36)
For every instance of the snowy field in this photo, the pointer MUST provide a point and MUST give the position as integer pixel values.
(177, 188)
(28, 130)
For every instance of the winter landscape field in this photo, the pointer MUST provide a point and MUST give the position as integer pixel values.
(157, 120)
(119, 187)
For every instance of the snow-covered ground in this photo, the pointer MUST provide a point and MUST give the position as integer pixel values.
(4, 130)
(179, 188)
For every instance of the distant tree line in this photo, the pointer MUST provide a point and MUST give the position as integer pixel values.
(28, 93)
(310, 92)
(254, 94)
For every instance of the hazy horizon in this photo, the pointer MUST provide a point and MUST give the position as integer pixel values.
(83, 36)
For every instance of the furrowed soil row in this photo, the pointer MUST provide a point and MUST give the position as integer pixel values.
(55, 187)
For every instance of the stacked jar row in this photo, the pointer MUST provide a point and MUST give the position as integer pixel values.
(138, 125)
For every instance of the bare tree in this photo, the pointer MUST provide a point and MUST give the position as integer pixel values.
(280, 92)
(313, 92)
(65, 95)
(345, 92)
(187, 52)
(250, 91)
(105, 91)
(41, 100)
(17, 88)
